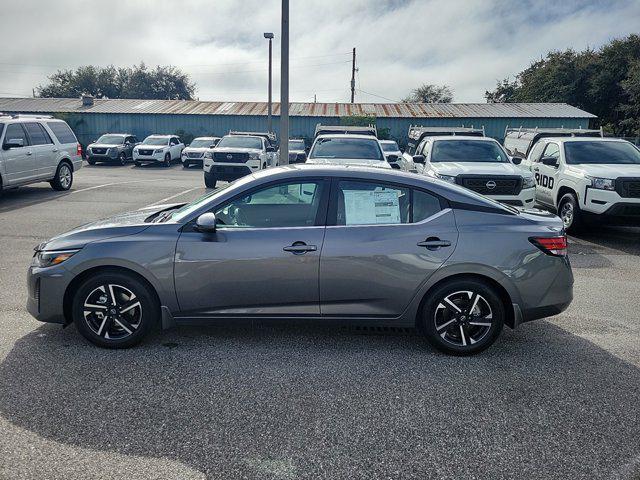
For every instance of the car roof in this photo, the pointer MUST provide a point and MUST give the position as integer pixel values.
(582, 139)
(456, 138)
(204, 138)
(348, 135)
(123, 134)
(161, 136)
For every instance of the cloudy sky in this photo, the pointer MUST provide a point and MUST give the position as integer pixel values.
(467, 44)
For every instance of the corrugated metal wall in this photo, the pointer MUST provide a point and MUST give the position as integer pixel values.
(90, 126)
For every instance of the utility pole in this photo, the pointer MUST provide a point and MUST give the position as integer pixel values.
(353, 75)
(269, 36)
(284, 85)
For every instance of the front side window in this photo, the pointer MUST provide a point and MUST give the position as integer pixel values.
(239, 141)
(345, 147)
(292, 204)
(37, 134)
(62, 132)
(536, 152)
(468, 151)
(552, 150)
(611, 153)
(15, 132)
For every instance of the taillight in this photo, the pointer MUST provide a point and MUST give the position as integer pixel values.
(551, 245)
(79, 150)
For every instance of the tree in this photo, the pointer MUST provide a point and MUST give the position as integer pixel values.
(428, 93)
(163, 82)
(505, 92)
(631, 108)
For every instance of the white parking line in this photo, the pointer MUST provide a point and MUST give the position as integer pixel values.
(164, 200)
(115, 183)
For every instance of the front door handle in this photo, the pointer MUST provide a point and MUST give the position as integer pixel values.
(300, 248)
(434, 243)
(536, 169)
(29, 152)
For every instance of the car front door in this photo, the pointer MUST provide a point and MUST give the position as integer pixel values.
(44, 150)
(19, 161)
(546, 175)
(262, 260)
(382, 243)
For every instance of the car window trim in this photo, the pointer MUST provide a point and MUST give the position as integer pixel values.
(31, 142)
(321, 214)
(332, 213)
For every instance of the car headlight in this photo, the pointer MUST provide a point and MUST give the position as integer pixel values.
(603, 183)
(159, 150)
(208, 155)
(254, 156)
(528, 182)
(113, 152)
(44, 258)
(446, 178)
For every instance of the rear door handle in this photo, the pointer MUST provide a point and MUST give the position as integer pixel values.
(433, 243)
(299, 248)
(29, 152)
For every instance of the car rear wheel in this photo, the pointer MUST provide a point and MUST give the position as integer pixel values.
(114, 310)
(167, 160)
(569, 212)
(463, 317)
(210, 180)
(63, 179)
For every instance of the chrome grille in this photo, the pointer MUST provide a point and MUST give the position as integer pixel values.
(145, 152)
(195, 154)
(628, 187)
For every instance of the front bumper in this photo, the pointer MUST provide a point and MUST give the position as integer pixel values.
(525, 198)
(610, 207)
(229, 172)
(101, 158)
(155, 158)
(46, 288)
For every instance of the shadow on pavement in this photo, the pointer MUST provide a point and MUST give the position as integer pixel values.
(287, 401)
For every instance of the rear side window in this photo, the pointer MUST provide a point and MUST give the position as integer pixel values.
(364, 203)
(63, 133)
(37, 134)
(16, 132)
(424, 205)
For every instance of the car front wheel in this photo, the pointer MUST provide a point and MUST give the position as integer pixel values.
(569, 212)
(63, 179)
(463, 317)
(114, 310)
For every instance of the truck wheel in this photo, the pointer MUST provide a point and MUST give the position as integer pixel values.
(167, 160)
(91, 162)
(64, 177)
(210, 180)
(569, 212)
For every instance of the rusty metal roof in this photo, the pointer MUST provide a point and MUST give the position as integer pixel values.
(391, 110)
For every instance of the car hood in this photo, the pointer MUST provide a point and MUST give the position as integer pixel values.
(195, 149)
(349, 161)
(606, 170)
(104, 145)
(237, 150)
(297, 151)
(150, 147)
(477, 168)
(123, 224)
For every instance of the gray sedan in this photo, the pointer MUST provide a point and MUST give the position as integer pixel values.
(352, 244)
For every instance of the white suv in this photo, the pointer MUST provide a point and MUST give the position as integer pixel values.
(349, 149)
(479, 164)
(162, 149)
(37, 149)
(587, 179)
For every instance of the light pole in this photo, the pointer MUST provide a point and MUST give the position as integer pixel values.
(269, 36)
(284, 85)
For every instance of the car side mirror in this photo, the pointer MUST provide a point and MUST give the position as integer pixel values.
(549, 161)
(516, 160)
(392, 158)
(206, 223)
(13, 143)
(418, 158)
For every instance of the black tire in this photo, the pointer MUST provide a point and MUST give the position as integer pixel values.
(167, 160)
(570, 213)
(122, 158)
(64, 177)
(91, 162)
(119, 330)
(185, 165)
(470, 330)
(210, 180)
(138, 164)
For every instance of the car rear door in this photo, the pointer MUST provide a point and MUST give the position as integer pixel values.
(383, 241)
(19, 162)
(264, 257)
(44, 150)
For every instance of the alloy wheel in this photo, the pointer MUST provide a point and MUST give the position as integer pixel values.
(112, 311)
(64, 176)
(463, 318)
(567, 214)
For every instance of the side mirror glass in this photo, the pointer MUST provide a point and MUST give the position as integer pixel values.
(392, 158)
(549, 161)
(13, 143)
(516, 160)
(418, 158)
(206, 223)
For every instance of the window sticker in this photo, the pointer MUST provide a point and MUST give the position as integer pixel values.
(369, 207)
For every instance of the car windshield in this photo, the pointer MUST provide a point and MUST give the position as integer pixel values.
(601, 152)
(238, 141)
(111, 139)
(296, 145)
(155, 141)
(468, 151)
(390, 146)
(201, 142)
(344, 147)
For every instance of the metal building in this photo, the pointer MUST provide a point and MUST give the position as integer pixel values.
(90, 117)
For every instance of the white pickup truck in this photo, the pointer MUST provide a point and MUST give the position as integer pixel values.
(586, 179)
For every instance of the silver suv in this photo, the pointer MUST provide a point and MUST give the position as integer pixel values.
(37, 149)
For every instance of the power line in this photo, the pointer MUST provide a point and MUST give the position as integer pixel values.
(379, 96)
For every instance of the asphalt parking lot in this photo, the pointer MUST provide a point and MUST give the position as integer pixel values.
(554, 399)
